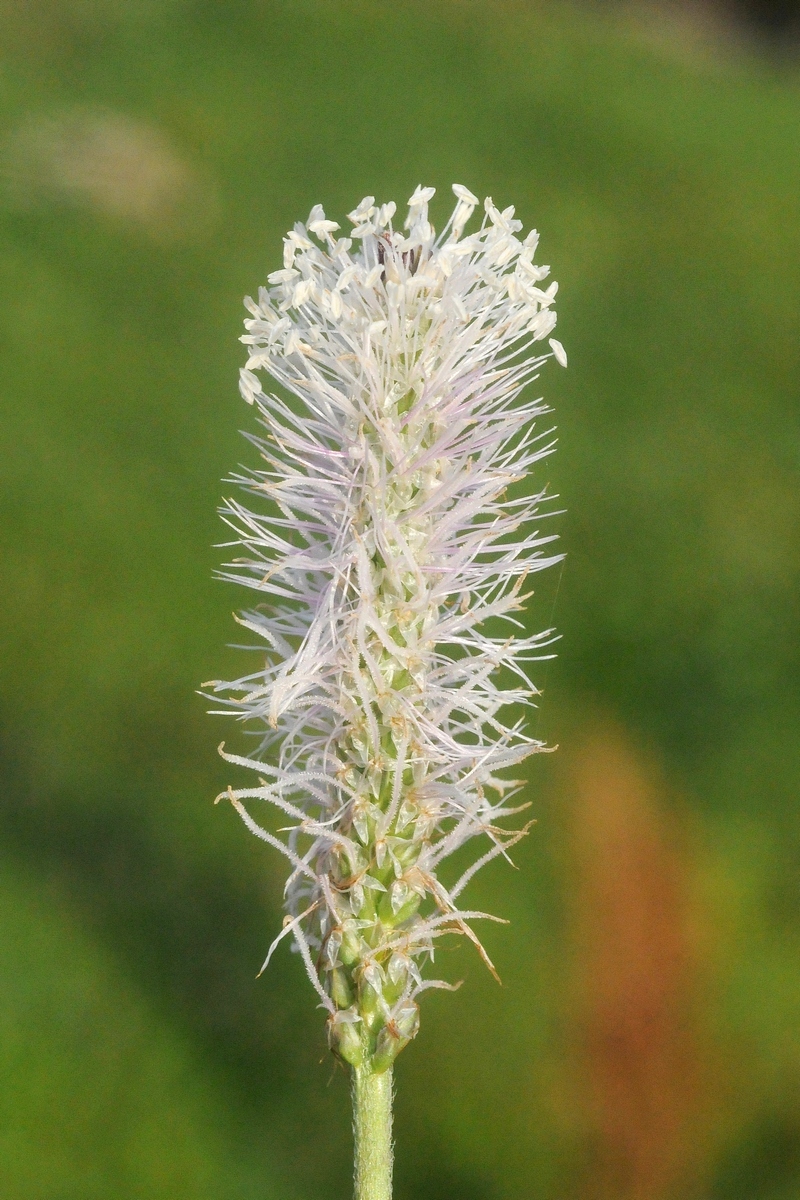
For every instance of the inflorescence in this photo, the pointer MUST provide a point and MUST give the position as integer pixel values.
(392, 560)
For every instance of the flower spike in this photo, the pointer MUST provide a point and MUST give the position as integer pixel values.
(389, 563)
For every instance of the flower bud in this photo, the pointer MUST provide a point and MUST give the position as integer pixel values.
(340, 989)
(394, 1036)
(344, 1037)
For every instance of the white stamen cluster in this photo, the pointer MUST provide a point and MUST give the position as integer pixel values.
(385, 542)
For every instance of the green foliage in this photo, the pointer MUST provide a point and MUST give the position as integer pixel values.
(664, 178)
(100, 1097)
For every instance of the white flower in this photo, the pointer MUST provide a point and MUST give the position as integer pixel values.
(389, 549)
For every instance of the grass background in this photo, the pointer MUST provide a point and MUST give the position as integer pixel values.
(644, 1044)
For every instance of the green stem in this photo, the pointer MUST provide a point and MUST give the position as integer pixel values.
(372, 1132)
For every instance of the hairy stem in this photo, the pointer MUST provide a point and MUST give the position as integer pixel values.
(372, 1132)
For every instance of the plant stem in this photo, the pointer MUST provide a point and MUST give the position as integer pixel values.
(372, 1133)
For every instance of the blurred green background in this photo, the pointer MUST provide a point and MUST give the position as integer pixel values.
(645, 1043)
